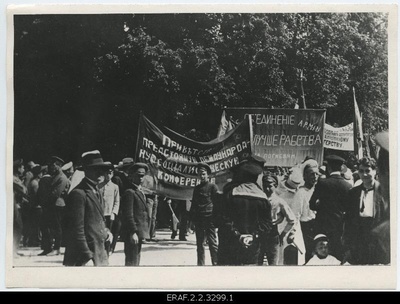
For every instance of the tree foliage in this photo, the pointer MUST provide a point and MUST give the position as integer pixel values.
(96, 73)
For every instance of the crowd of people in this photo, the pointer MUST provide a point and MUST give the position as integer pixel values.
(310, 214)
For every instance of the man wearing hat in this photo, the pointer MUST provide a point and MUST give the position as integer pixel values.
(86, 233)
(53, 207)
(245, 215)
(68, 169)
(201, 212)
(328, 200)
(28, 175)
(282, 216)
(292, 251)
(135, 215)
(310, 174)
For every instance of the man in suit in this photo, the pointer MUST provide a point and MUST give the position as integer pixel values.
(86, 230)
(328, 200)
(135, 215)
(366, 208)
(53, 207)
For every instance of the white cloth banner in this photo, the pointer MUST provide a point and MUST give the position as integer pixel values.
(339, 138)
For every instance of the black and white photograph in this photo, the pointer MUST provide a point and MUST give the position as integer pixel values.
(202, 146)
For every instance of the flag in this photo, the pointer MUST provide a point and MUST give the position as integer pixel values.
(358, 133)
(225, 125)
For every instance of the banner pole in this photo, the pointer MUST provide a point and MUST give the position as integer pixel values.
(323, 138)
(251, 134)
(302, 90)
(137, 138)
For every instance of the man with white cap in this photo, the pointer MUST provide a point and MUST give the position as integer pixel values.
(68, 169)
(328, 200)
(86, 232)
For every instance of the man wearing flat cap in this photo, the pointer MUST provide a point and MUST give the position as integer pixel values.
(86, 233)
(245, 215)
(53, 207)
(201, 212)
(135, 215)
(328, 200)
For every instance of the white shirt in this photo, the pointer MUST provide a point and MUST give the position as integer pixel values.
(303, 196)
(368, 198)
(329, 260)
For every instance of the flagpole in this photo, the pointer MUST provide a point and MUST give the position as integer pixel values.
(302, 90)
(138, 133)
(356, 128)
(251, 134)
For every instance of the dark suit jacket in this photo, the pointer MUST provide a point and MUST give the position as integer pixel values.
(135, 214)
(353, 221)
(86, 231)
(331, 193)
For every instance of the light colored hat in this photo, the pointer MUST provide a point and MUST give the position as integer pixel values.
(126, 162)
(320, 237)
(30, 164)
(93, 159)
(295, 178)
(67, 166)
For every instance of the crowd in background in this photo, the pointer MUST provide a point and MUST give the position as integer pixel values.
(310, 214)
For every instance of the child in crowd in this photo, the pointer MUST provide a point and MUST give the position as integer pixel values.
(321, 252)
